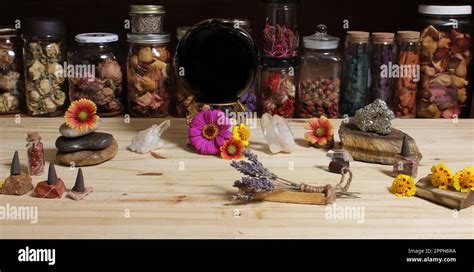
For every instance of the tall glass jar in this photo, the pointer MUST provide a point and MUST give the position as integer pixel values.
(100, 75)
(280, 34)
(355, 78)
(445, 60)
(148, 75)
(320, 76)
(147, 19)
(181, 98)
(381, 61)
(278, 86)
(11, 75)
(408, 56)
(44, 52)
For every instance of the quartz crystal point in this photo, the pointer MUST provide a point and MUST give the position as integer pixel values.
(277, 133)
(149, 139)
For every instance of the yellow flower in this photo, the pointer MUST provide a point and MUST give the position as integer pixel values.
(242, 133)
(1, 184)
(441, 176)
(403, 185)
(464, 180)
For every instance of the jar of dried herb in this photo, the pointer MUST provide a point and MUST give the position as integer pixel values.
(446, 67)
(35, 153)
(381, 64)
(100, 77)
(355, 78)
(148, 75)
(11, 74)
(280, 34)
(44, 53)
(320, 76)
(147, 19)
(278, 86)
(408, 60)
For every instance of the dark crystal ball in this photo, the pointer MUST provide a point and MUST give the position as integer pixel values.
(216, 61)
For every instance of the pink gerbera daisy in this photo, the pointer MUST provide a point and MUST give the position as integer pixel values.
(208, 131)
(321, 131)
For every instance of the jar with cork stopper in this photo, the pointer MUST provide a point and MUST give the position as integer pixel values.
(35, 154)
(381, 64)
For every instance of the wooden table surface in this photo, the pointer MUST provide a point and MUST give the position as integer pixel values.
(191, 198)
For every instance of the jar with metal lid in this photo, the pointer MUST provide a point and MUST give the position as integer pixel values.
(355, 77)
(381, 64)
(99, 74)
(11, 74)
(446, 67)
(147, 19)
(148, 75)
(44, 52)
(320, 76)
(280, 34)
(408, 60)
(278, 86)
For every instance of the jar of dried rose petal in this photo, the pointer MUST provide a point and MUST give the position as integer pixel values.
(445, 59)
(11, 73)
(44, 54)
(278, 86)
(280, 34)
(98, 74)
(148, 75)
(320, 76)
(408, 60)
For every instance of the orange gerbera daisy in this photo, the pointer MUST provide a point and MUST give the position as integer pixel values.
(232, 149)
(321, 131)
(81, 115)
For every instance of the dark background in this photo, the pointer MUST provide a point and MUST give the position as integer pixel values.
(109, 15)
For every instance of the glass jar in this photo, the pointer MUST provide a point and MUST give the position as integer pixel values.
(11, 75)
(278, 86)
(355, 78)
(408, 56)
(100, 75)
(148, 75)
(381, 61)
(147, 19)
(445, 60)
(35, 154)
(44, 52)
(182, 97)
(280, 34)
(320, 76)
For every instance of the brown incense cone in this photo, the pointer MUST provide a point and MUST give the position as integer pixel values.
(17, 183)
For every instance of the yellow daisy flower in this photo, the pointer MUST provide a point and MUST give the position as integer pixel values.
(242, 133)
(441, 176)
(403, 185)
(464, 180)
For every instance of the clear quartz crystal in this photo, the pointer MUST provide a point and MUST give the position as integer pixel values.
(277, 133)
(149, 139)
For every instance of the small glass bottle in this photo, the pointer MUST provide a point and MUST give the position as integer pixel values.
(405, 162)
(320, 76)
(35, 154)
(340, 158)
(381, 61)
(148, 75)
(280, 34)
(355, 72)
(100, 79)
(44, 53)
(11, 75)
(406, 86)
(278, 86)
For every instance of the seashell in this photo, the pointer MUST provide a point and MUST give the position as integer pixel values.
(145, 55)
(442, 79)
(458, 82)
(34, 96)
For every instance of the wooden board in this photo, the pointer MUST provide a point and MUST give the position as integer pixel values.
(449, 198)
(192, 197)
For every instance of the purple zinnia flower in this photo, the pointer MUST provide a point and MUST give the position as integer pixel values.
(208, 131)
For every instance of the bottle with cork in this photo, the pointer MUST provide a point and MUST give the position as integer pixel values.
(35, 154)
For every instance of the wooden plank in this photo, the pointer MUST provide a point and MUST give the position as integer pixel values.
(449, 198)
(191, 199)
(292, 197)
